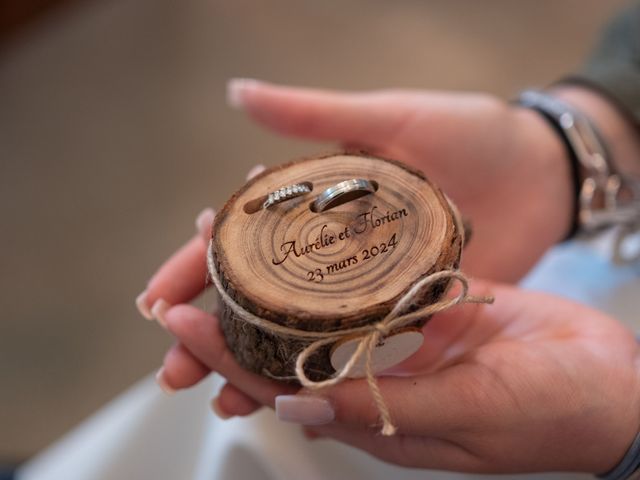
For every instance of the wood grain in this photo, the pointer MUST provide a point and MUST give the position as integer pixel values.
(326, 271)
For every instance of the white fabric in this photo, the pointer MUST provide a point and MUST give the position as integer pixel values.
(144, 434)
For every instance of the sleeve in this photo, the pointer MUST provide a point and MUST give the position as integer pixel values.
(614, 65)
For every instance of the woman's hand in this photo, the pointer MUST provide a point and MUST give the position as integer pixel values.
(491, 385)
(180, 279)
(531, 383)
(502, 165)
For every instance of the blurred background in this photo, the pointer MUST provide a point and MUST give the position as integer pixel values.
(114, 134)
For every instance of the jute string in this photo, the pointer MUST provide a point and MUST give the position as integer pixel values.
(369, 335)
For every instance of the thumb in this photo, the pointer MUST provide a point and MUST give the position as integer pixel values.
(368, 119)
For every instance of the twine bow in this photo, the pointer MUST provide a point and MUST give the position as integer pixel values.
(368, 335)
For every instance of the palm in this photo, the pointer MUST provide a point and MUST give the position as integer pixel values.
(502, 166)
(493, 385)
(494, 178)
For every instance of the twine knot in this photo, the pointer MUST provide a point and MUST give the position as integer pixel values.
(381, 328)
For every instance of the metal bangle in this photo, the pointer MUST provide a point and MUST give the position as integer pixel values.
(627, 466)
(601, 202)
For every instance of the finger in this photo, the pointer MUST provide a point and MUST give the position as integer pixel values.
(364, 119)
(204, 222)
(416, 404)
(183, 276)
(231, 401)
(201, 335)
(180, 369)
(443, 403)
(179, 279)
(255, 170)
(409, 451)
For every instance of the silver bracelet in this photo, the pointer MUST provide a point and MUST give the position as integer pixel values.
(606, 198)
(629, 464)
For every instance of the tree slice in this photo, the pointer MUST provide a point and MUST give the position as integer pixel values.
(330, 270)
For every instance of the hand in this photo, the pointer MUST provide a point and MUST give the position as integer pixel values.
(179, 280)
(531, 383)
(503, 166)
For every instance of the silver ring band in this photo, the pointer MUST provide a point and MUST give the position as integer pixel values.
(343, 192)
(286, 193)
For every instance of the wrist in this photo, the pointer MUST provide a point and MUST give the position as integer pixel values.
(549, 176)
(607, 194)
(620, 135)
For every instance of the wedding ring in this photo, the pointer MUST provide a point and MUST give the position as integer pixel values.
(286, 193)
(343, 192)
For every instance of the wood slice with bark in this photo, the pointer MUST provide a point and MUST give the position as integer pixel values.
(330, 270)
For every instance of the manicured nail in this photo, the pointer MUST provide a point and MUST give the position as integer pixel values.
(237, 88)
(256, 170)
(204, 220)
(143, 308)
(159, 310)
(304, 409)
(217, 409)
(162, 383)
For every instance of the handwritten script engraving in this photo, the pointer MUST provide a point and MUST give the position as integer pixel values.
(364, 222)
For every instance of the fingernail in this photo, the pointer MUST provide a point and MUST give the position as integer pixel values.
(159, 310)
(236, 89)
(143, 308)
(162, 382)
(304, 409)
(256, 170)
(204, 220)
(217, 409)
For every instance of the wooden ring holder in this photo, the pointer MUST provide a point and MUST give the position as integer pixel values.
(327, 271)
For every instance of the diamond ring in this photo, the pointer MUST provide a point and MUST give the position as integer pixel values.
(286, 193)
